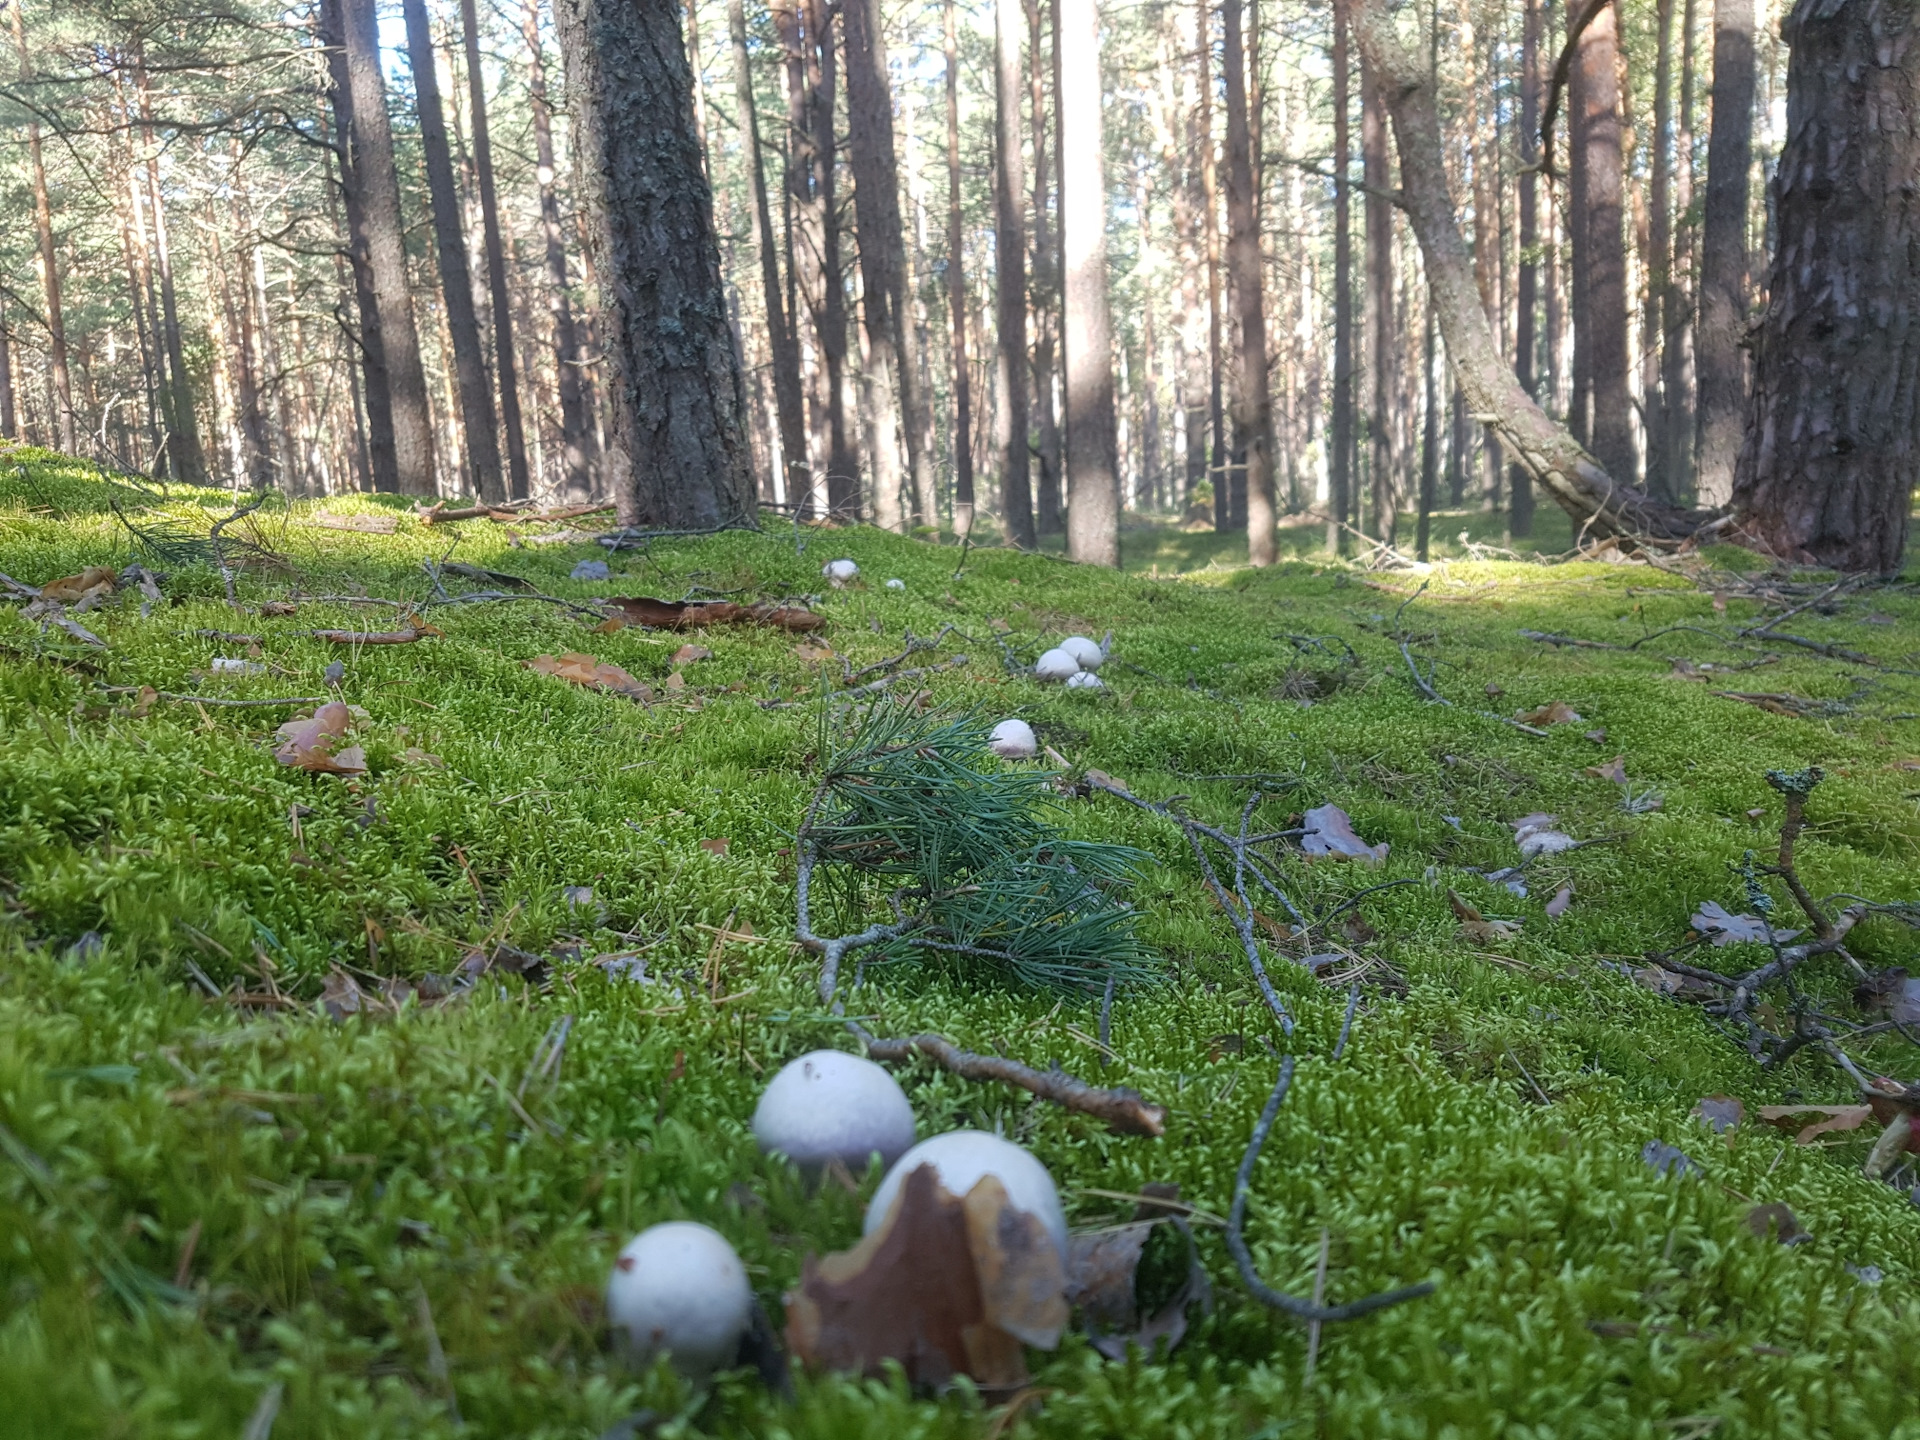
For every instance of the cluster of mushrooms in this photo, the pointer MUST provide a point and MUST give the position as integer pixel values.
(1073, 661)
(679, 1289)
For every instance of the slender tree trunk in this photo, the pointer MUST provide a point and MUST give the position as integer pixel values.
(9, 419)
(1045, 288)
(1340, 424)
(482, 475)
(1677, 309)
(1255, 392)
(383, 469)
(1722, 324)
(1092, 458)
(678, 453)
(1220, 466)
(781, 342)
(1380, 328)
(568, 354)
(1600, 325)
(1429, 438)
(1519, 483)
(1833, 432)
(1579, 244)
(413, 442)
(503, 355)
(1658, 257)
(1011, 420)
(63, 418)
(957, 297)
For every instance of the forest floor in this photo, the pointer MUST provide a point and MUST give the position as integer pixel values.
(243, 1170)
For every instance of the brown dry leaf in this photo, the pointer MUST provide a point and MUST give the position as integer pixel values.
(812, 652)
(1836, 1118)
(1722, 1112)
(1776, 1222)
(1100, 1271)
(144, 702)
(1684, 669)
(685, 615)
(414, 755)
(1556, 713)
(1614, 770)
(1475, 926)
(687, 654)
(999, 626)
(1329, 831)
(278, 609)
(582, 669)
(945, 1286)
(342, 996)
(1672, 984)
(311, 744)
(676, 681)
(1557, 906)
(1598, 737)
(70, 589)
(716, 847)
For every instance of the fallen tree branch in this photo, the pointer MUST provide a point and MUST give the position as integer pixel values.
(216, 699)
(370, 637)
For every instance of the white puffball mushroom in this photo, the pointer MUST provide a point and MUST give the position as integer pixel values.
(830, 1105)
(1087, 652)
(680, 1288)
(1014, 740)
(1056, 665)
(1085, 680)
(896, 584)
(839, 571)
(961, 1158)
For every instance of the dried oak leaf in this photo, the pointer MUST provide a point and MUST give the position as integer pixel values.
(1556, 713)
(312, 744)
(946, 1286)
(1714, 921)
(1329, 831)
(594, 674)
(95, 580)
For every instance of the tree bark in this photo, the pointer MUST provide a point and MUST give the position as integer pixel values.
(1382, 349)
(1718, 354)
(9, 420)
(1676, 320)
(63, 418)
(413, 443)
(957, 298)
(1555, 460)
(1340, 422)
(505, 369)
(568, 355)
(1600, 255)
(482, 451)
(1243, 222)
(1220, 462)
(1519, 483)
(1092, 460)
(1658, 258)
(1011, 419)
(781, 341)
(1833, 431)
(677, 453)
(1045, 290)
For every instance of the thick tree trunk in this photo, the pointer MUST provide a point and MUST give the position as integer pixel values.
(1045, 288)
(1600, 254)
(383, 472)
(677, 453)
(1249, 294)
(1383, 351)
(1576, 480)
(505, 368)
(1340, 423)
(1092, 460)
(482, 475)
(1719, 354)
(1520, 484)
(1833, 432)
(379, 187)
(781, 342)
(1011, 418)
(63, 418)
(957, 298)
(568, 355)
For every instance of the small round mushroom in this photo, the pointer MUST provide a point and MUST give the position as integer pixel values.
(1085, 680)
(840, 571)
(1056, 665)
(961, 1158)
(896, 583)
(1087, 652)
(1013, 740)
(830, 1105)
(679, 1288)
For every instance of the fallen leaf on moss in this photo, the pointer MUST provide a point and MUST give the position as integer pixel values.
(716, 847)
(1775, 1221)
(1714, 921)
(676, 681)
(1556, 713)
(1475, 926)
(1614, 770)
(95, 580)
(1832, 1119)
(812, 652)
(313, 744)
(685, 615)
(1557, 906)
(945, 1286)
(1329, 831)
(1102, 1277)
(687, 654)
(1722, 1112)
(584, 670)
(1536, 834)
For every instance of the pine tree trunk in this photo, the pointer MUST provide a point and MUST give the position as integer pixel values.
(677, 453)
(957, 298)
(1092, 445)
(482, 475)
(9, 418)
(1255, 390)
(1833, 432)
(1519, 483)
(1340, 424)
(518, 482)
(63, 418)
(1600, 260)
(1045, 288)
(1658, 258)
(383, 472)
(1676, 321)
(1719, 357)
(1382, 350)
(1220, 463)
(379, 186)
(1011, 416)
(568, 353)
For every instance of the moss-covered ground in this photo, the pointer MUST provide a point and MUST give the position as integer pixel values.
(200, 1200)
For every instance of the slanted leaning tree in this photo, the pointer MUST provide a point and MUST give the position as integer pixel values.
(677, 444)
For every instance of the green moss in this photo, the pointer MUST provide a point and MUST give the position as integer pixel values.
(325, 1176)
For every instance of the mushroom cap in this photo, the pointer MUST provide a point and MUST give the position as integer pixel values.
(830, 1105)
(896, 584)
(1056, 664)
(1013, 740)
(1085, 680)
(1087, 652)
(840, 569)
(680, 1288)
(961, 1158)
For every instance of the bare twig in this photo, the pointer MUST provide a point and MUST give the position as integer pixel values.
(370, 637)
(1346, 1028)
(215, 699)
